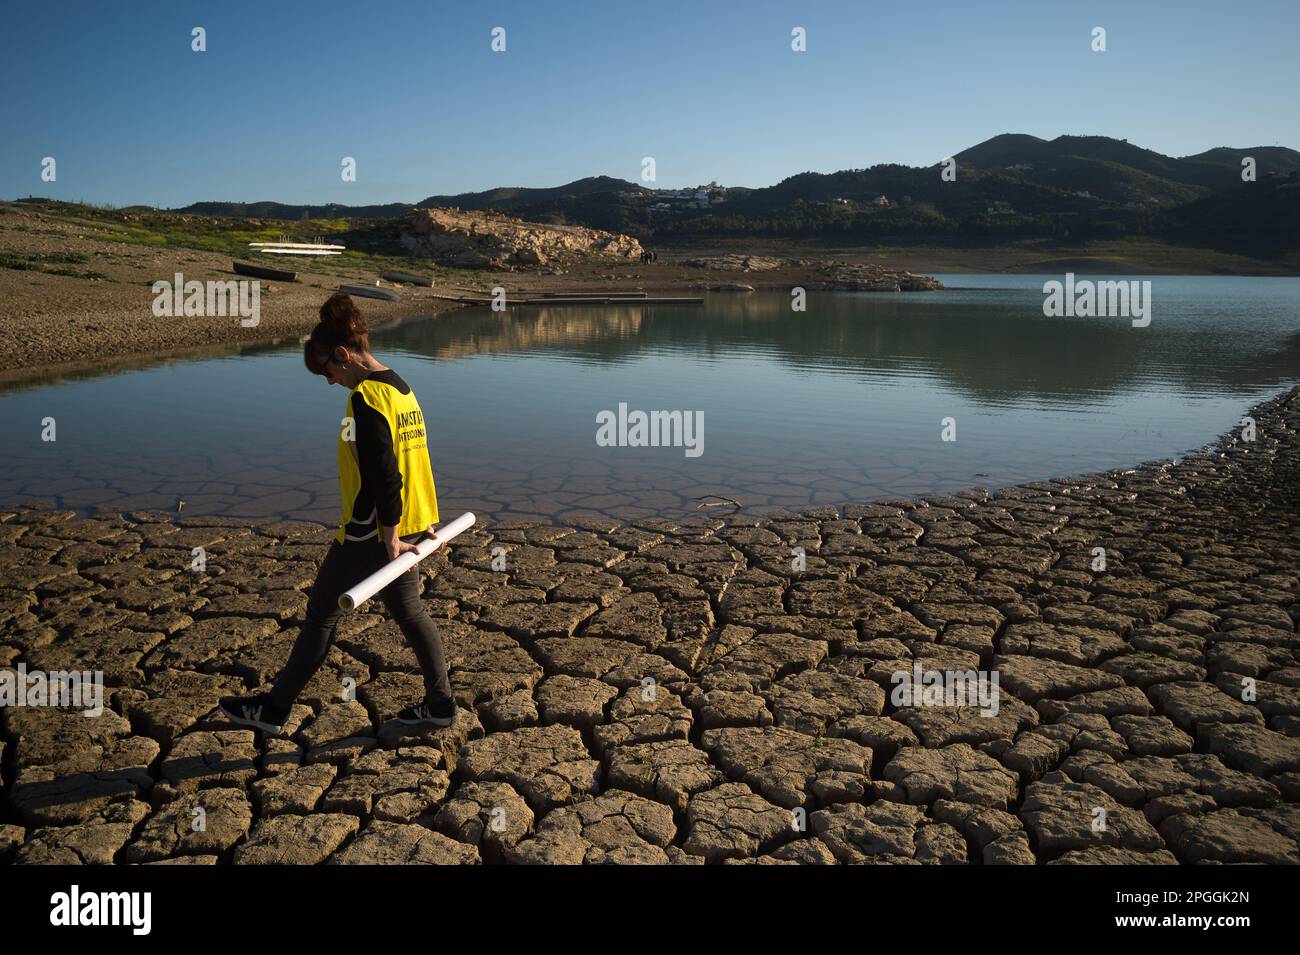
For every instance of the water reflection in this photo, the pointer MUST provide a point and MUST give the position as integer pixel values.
(991, 347)
(841, 403)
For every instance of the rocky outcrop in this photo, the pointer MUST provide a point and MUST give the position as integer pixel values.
(871, 278)
(738, 263)
(489, 240)
(829, 276)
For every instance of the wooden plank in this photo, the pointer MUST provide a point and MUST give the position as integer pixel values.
(615, 294)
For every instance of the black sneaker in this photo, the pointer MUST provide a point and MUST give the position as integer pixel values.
(255, 711)
(429, 714)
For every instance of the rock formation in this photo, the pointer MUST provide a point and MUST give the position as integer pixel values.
(837, 276)
(490, 240)
(733, 262)
(872, 278)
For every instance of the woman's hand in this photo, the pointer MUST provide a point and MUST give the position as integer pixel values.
(395, 546)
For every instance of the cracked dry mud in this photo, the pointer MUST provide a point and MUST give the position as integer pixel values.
(658, 692)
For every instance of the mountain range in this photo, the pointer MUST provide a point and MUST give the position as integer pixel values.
(1012, 185)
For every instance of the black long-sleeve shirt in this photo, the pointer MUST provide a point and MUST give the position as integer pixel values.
(381, 480)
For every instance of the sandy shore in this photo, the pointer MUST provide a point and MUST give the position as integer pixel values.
(63, 323)
(60, 323)
(663, 692)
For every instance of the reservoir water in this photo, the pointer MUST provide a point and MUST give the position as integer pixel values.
(844, 402)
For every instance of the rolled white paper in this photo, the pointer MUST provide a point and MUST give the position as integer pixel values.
(351, 599)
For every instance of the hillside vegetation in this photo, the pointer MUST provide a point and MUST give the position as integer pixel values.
(1010, 187)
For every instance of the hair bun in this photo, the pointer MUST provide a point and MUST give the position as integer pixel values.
(341, 324)
(344, 320)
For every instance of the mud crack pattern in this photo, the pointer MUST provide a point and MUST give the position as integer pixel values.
(659, 692)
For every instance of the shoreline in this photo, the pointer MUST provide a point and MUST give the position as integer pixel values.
(69, 325)
(1119, 686)
(100, 314)
(63, 320)
(47, 374)
(203, 339)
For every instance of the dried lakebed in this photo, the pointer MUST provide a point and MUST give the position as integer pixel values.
(661, 692)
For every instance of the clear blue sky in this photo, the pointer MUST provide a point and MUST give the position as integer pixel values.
(412, 90)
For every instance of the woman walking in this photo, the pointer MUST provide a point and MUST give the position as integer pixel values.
(389, 504)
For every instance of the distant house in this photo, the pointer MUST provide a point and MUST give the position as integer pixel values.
(881, 201)
(1001, 208)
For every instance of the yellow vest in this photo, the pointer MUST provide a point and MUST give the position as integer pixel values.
(410, 448)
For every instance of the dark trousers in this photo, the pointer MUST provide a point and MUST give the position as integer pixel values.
(346, 565)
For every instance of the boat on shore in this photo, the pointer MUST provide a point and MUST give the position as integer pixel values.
(371, 291)
(409, 278)
(297, 252)
(296, 245)
(263, 272)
